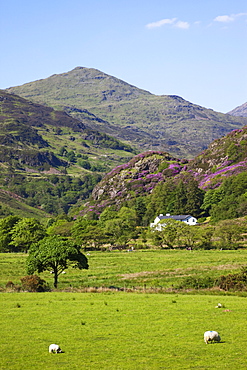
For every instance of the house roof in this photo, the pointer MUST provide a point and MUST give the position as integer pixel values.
(176, 217)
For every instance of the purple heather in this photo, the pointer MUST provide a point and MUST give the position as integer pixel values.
(233, 132)
(155, 176)
(207, 178)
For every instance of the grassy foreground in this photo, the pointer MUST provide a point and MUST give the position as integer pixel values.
(121, 331)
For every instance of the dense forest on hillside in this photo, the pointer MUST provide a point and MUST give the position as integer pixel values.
(54, 194)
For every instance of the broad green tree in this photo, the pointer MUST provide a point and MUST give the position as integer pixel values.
(140, 208)
(180, 199)
(160, 201)
(171, 232)
(229, 200)
(88, 232)
(25, 232)
(189, 235)
(60, 227)
(195, 197)
(6, 225)
(56, 254)
(121, 228)
(115, 232)
(205, 236)
(229, 234)
(108, 214)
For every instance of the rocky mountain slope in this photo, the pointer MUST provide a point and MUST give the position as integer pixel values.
(240, 111)
(150, 122)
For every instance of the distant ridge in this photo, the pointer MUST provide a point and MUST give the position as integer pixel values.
(240, 111)
(130, 114)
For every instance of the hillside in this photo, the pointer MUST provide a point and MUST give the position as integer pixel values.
(12, 204)
(135, 116)
(36, 129)
(48, 159)
(226, 158)
(240, 111)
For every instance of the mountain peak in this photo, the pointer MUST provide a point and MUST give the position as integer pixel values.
(149, 122)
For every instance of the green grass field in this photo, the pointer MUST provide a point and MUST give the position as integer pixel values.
(121, 331)
(141, 268)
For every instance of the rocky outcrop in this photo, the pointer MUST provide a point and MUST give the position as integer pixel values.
(136, 178)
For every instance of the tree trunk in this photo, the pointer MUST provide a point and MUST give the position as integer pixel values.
(55, 277)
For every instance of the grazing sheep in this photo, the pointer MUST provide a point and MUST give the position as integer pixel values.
(54, 348)
(211, 336)
(219, 305)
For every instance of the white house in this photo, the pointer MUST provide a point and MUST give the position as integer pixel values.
(188, 219)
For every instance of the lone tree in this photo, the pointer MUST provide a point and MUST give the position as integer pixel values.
(57, 254)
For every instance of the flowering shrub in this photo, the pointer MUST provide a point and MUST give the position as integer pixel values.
(155, 176)
(175, 167)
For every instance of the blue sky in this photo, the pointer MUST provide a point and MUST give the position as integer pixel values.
(196, 49)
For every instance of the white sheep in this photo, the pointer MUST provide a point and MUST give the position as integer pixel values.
(54, 348)
(211, 336)
(219, 305)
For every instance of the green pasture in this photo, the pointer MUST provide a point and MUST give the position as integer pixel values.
(121, 331)
(156, 268)
(140, 269)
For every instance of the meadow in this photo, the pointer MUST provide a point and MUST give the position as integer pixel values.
(121, 331)
(128, 329)
(141, 269)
